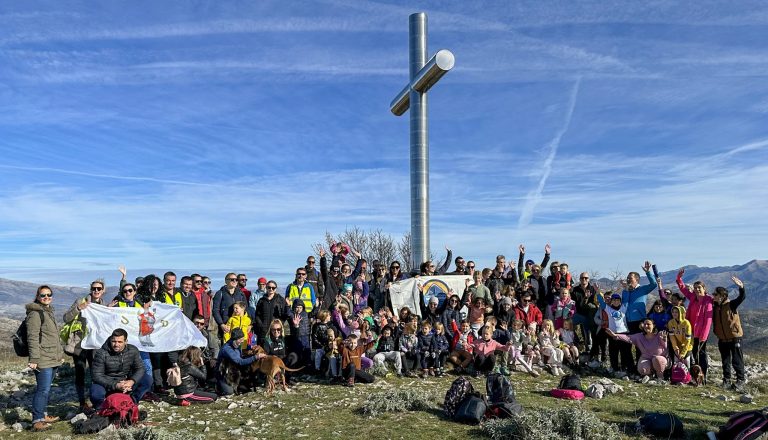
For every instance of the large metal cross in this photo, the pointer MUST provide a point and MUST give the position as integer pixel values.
(414, 96)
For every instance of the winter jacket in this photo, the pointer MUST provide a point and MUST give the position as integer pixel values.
(522, 274)
(223, 303)
(266, 310)
(448, 317)
(299, 338)
(480, 291)
(680, 333)
(586, 300)
(562, 310)
(241, 322)
(635, 299)
(532, 315)
(360, 293)
(110, 367)
(189, 305)
(501, 336)
(660, 319)
(562, 282)
(726, 319)
(314, 278)
(43, 336)
(190, 375)
(74, 312)
(699, 311)
(440, 343)
(332, 285)
(408, 343)
(425, 342)
(234, 354)
(462, 341)
(320, 334)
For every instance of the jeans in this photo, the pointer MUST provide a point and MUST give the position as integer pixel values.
(99, 393)
(44, 379)
(147, 365)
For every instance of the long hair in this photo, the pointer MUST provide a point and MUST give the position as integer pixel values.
(192, 355)
(145, 295)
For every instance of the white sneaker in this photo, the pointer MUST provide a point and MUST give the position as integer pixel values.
(645, 379)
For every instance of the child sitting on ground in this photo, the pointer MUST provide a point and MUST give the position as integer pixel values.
(549, 344)
(351, 352)
(461, 356)
(569, 343)
(515, 348)
(484, 350)
(320, 336)
(408, 349)
(386, 351)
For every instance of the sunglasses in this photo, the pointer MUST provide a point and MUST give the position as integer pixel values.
(310, 261)
(242, 279)
(198, 281)
(277, 329)
(231, 279)
(271, 287)
(470, 267)
(206, 282)
(128, 291)
(46, 295)
(96, 289)
(394, 267)
(584, 278)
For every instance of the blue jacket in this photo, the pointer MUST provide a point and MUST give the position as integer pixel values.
(234, 354)
(635, 299)
(223, 302)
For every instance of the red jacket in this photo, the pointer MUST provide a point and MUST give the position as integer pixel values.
(533, 315)
(203, 304)
(457, 335)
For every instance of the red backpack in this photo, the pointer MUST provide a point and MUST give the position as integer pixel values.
(120, 409)
(680, 374)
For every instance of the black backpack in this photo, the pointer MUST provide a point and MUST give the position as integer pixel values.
(459, 390)
(570, 382)
(665, 425)
(20, 338)
(92, 425)
(499, 389)
(472, 410)
(747, 425)
(502, 401)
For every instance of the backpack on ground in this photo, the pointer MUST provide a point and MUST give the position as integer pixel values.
(570, 382)
(459, 390)
(680, 374)
(665, 425)
(20, 345)
(502, 402)
(747, 425)
(91, 425)
(499, 389)
(121, 410)
(472, 410)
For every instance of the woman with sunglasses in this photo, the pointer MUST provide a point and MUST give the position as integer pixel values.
(271, 306)
(83, 358)
(45, 354)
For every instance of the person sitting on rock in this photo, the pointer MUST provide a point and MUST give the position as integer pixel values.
(118, 368)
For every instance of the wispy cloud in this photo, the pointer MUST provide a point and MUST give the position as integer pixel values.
(534, 197)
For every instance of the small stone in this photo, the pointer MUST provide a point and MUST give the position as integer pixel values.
(200, 422)
(18, 427)
(77, 418)
(19, 394)
(232, 405)
(238, 431)
(207, 428)
(723, 397)
(746, 398)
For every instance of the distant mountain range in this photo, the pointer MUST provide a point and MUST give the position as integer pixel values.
(15, 294)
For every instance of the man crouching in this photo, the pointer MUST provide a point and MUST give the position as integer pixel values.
(118, 368)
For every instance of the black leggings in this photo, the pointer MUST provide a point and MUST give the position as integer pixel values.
(355, 375)
(616, 348)
(82, 361)
(485, 363)
(700, 357)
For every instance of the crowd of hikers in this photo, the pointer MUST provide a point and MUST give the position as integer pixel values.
(342, 329)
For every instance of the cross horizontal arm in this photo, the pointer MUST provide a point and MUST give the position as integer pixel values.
(430, 74)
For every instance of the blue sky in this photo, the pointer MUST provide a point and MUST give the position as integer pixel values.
(232, 135)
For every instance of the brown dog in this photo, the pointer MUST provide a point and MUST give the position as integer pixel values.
(272, 367)
(697, 376)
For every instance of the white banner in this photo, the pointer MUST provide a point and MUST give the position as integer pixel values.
(157, 329)
(406, 293)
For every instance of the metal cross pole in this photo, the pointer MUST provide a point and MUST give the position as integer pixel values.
(423, 75)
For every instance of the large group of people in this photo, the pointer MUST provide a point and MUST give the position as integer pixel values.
(342, 327)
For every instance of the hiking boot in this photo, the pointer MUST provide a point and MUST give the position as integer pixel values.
(151, 397)
(51, 419)
(349, 383)
(41, 426)
(738, 386)
(726, 385)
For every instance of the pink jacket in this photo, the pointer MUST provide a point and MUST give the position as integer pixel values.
(481, 346)
(699, 311)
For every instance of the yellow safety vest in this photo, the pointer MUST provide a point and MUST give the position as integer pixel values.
(175, 300)
(125, 304)
(305, 295)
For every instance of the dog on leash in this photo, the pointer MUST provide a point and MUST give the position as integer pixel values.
(697, 376)
(273, 367)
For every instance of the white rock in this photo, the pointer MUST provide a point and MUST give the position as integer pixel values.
(77, 418)
(18, 427)
(232, 405)
(207, 428)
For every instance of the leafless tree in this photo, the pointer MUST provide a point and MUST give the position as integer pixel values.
(616, 276)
